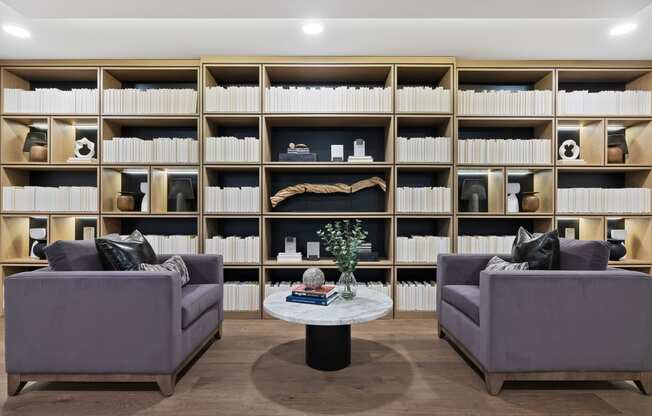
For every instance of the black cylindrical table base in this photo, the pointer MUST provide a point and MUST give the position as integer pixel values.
(328, 348)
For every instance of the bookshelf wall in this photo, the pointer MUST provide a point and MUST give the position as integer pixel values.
(224, 110)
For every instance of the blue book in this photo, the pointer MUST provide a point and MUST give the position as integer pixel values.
(310, 300)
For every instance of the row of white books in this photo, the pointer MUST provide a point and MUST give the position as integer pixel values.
(232, 149)
(325, 99)
(508, 151)
(240, 99)
(235, 249)
(485, 244)
(416, 296)
(172, 244)
(604, 103)
(50, 100)
(423, 100)
(49, 198)
(236, 199)
(241, 296)
(285, 287)
(423, 149)
(158, 150)
(421, 248)
(151, 101)
(426, 199)
(505, 103)
(632, 200)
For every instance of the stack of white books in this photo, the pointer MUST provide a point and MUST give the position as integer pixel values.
(485, 244)
(603, 200)
(423, 149)
(49, 198)
(638, 103)
(238, 199)
(294, 257)
(159, 150)
(421, 248)
(380, 287)
(423, 100)
(50, 100)
(241, 296)
(507, 151)
(233, 99)
(416, 296)
(425, 199)
(505, 103)
(232, 149)
(234, 249)
(324, 99)
(152, 101)
(172, 244)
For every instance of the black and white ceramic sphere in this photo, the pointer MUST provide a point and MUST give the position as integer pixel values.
(313, 278)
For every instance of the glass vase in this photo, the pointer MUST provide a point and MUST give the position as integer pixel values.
(347, 286)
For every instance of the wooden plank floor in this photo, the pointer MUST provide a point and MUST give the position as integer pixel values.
(398, 368)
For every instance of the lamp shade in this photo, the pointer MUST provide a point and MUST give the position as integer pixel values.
(471, 187)
(35, 138)
(181, 187)
(618, 139)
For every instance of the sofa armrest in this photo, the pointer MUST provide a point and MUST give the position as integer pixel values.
(203, 268)
(92, 322)
(459, 269)
(564, 320)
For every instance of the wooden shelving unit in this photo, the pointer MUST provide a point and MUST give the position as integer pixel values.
(302, 215)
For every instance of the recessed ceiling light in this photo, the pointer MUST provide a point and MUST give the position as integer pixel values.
(312, 28)
(623, 29)
(17, 31)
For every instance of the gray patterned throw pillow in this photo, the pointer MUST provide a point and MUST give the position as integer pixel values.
(496, 264)
(173, 264)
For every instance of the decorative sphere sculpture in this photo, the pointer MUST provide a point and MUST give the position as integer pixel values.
(313, 278)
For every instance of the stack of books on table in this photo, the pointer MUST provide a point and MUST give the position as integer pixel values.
(366, 253)
(323, 296)
(300, 153)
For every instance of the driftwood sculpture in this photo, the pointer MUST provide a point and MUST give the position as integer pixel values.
(302, 188)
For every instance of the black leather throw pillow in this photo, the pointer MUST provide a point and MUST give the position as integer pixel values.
(540, 251)
(124, 254)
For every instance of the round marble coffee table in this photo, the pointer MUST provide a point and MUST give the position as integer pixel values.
(328, 328)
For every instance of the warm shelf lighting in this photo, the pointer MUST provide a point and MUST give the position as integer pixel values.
(39, 126)
(623, 29)
(180, 172)
(17, 31)
(472, 172)
(568, 128)
(312, 28)
(86, 126)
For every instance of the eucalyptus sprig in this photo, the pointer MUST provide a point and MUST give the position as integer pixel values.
(343, 240)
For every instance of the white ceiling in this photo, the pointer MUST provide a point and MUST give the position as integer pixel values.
(493, 29)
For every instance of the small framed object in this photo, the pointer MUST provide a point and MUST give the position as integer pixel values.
(569, 233)
(313, 250)
(359, 148)
(337, 153)
(290, 244)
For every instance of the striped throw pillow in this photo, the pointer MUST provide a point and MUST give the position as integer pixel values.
(173, 264)
(496, 264)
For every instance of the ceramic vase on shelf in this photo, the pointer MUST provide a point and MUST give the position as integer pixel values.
(126, 201)
(347, 286)
(615, 154)
(530, 202)
(144, 205)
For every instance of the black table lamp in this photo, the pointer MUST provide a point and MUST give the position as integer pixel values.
(181, 191)
(473, 191)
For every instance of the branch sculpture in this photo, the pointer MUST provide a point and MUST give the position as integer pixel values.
(302, 188)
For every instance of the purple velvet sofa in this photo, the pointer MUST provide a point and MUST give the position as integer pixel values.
(583, 322)
(99, 325)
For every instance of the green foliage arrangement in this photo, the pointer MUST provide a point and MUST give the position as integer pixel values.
(342, 239)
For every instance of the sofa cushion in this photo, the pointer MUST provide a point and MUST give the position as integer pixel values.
(540, 251)
(117, 253)
(173, 264)
(73, 256)
(583, 254)
(195, 300)
(466, 298)
(497, 264)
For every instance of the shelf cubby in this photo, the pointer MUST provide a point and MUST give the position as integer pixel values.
(499, 226)
(160, 225)
(425, 76)
(14, 131)
(304, 229)
(581, 228)
(72, 227)
(228, 75)
(411, 126)
(232, 125)
(240, 226)
(639, 239)
(541, 181)
(588, 134)
(63, 78)
(231, 176)
(119, 179)
(16, 243)
(371, 200)
(418, 275)
(637, 134)
(425, 176)
(65, 131)
(493, 181)
(320, 132)
(408, 226)
(165, 180)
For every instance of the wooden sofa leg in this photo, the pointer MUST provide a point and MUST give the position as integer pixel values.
(218, 334)
(645, 383)
(494, 383)
(166, 384)
(14, 385)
